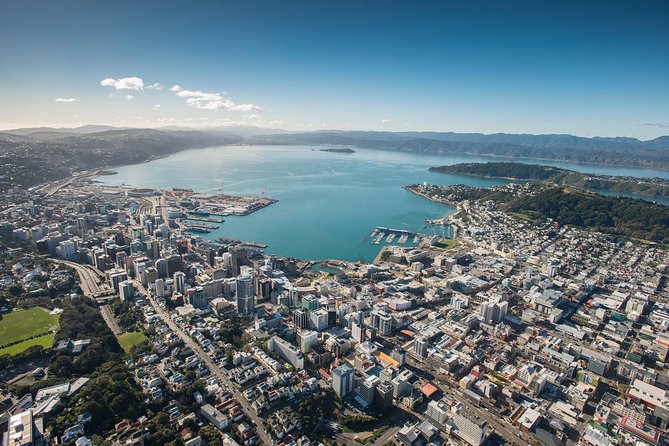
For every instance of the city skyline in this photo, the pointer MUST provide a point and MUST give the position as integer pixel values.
(595, 70)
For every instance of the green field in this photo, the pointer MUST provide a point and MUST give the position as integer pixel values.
(446, 243)
(128, 340)
(45, 341)
(23, 324)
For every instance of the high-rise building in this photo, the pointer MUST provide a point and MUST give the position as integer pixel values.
(474, 431)
(420, 346)
(66, 249)
(437, 411)
(174, 264)
(384, 395)
(319, 320)
(367, 389)
(161, 267)
(126, 290)
(245, 295)
(310, 302)
(385, 323)
(493, 312)
(180, 282)
(399, 355)
(342, 380)
(358, 332)
(301, 318)
(287, 351)
(197, 297)
(153, 248)
(307, 339)
(160, 287)
(239, 257)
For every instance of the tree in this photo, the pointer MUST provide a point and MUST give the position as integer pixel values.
(211, 436)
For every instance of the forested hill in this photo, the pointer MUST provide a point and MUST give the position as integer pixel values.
(655, 187)
(624, 218)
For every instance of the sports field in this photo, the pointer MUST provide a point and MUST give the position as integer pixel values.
(24, 324)
(45, 341)
(127, 340)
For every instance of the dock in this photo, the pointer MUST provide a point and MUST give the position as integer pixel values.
(206, 219)
(401, 236)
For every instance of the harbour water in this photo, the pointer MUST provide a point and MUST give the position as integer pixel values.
(328, 202)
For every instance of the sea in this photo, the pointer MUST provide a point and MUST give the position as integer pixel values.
(328, 202)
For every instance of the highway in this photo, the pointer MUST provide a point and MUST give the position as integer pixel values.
(108, 316)
(213, 367)
(89, 279)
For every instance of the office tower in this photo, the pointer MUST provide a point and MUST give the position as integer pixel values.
(126, 290)
(245, 295)
(197, 297)
(239, 258)
(420, 346)
(342, 380)
(180, 282)
(161, 267)
(301, 318)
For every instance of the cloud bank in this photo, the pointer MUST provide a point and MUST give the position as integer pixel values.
(212, 101)
(124, 83)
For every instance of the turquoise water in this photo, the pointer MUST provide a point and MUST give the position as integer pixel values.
(328, 202)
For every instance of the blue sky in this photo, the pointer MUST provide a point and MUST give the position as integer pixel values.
(583, 67)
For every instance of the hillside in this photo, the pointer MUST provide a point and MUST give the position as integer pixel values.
(655, 187)
(621, 217)
(27, 161)
(606, 151)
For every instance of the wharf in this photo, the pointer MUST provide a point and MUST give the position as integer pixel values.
(206, 219)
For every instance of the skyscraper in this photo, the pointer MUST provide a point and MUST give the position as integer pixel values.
(180, 282)
(245, 295)
(239, 257)
(342, 380)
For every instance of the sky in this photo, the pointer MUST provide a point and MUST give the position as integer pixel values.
(589, 68)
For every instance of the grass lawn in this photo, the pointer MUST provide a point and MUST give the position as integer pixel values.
(45, 341)
(127, 340)
(23, 324)
(447, 243)
(522, 216)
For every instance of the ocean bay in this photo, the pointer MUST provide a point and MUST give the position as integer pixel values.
(328, 202)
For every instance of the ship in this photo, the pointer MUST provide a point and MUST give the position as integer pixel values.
(201, 211)
(198, 229)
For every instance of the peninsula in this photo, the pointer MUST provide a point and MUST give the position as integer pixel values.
(654, 187)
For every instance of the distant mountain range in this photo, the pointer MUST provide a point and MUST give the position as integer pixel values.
(607, 151)
(45, 155)
(36, 155)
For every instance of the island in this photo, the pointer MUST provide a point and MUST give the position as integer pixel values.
(338, 150)
(654, 187)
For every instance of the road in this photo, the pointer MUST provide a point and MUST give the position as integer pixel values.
(89, 279)
(500, 426)
(213, 367)
(108, 316)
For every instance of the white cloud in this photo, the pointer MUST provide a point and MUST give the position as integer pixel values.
(156, 86)
(124, 83)
(212, 101)
(156, 107)
(385, 121)
(130, 97)
(68, 100)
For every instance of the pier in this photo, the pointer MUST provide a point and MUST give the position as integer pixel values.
(403, 236)
(206, 219)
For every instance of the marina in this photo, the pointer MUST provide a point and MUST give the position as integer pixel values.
(401, 236)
